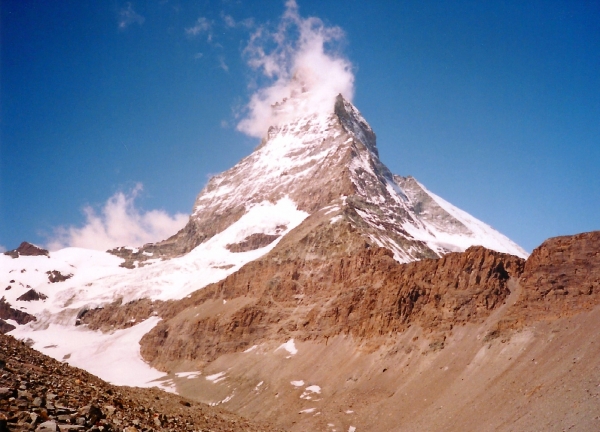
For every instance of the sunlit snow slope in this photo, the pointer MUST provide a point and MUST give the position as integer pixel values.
(96, 279)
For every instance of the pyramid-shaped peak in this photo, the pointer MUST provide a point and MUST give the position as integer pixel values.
(298, 122)
(327, 163)
(354, 122)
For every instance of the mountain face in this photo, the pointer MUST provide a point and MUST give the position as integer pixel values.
(330, 163)
(314, 193)
(315, 290)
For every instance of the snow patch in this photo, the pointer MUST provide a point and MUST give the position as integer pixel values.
(188, 375)
(289, 346)
(115, 357)
(215, 378)
(307, 411)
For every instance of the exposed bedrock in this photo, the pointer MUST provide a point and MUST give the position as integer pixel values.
(364, 293)
(560, 278)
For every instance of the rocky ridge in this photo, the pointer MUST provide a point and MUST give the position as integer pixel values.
(26, 249)
(561, 278)
(369, 295)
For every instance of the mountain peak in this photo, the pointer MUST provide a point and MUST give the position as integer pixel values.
(354, 122)
(327, 163)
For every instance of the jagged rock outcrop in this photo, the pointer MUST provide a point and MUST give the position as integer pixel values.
(561, 278)
(27, 249)
(55, 276)
(7, 312)
(32, 295)
(366, 294)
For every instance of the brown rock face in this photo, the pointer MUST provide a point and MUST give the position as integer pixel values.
(313, 292)
(117, 315)
(27, 249)
(560, 278)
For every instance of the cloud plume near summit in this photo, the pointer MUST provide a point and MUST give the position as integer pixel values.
(302, 68)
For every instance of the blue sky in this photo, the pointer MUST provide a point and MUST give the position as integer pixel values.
(494, 106)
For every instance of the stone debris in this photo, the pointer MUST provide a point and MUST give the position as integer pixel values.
(38, 393)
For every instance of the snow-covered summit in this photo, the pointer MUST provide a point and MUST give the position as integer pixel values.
(319, 160)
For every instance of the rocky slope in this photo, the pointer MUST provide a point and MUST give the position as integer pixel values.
(42, 394)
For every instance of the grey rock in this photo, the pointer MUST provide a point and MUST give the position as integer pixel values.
(24, 394)
(47, 426)
(5, 392)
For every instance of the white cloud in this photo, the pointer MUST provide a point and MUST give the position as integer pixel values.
(128, 16)
(222, 64)
(230, 22)
(118, 223)
(202, 25)
(2, 248)
(303, 71)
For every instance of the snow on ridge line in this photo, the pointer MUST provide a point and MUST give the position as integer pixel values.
(484, 234)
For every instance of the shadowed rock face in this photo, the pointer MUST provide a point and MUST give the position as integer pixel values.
(7, 312)
(32, 295)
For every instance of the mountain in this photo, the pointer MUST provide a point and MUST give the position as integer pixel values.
(329, 164)
(313, 289)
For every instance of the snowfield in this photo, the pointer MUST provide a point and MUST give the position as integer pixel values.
(97, 279)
